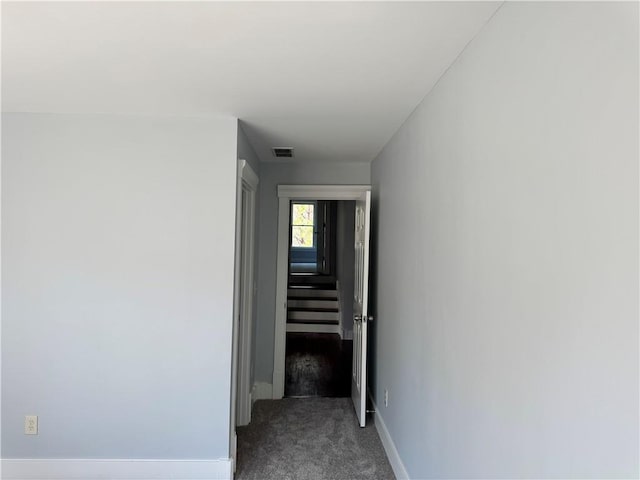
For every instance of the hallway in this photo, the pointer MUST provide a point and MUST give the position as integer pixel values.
(309, 439)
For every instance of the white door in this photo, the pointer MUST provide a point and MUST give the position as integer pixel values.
(360, 307)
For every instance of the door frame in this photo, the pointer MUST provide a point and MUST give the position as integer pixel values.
(286, 193)
(243, 304)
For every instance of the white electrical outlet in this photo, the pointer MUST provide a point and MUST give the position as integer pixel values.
(386, 398)
(30, 424)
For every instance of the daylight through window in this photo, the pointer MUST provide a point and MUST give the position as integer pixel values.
(302, 225)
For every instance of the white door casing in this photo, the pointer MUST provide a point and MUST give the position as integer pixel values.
(240, 411)
(286, 193)
(360, 307)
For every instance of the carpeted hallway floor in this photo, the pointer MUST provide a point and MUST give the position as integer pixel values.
(309, 439)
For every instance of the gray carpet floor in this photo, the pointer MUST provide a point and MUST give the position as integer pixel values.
(309, 439)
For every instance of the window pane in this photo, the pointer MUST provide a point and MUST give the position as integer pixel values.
(302, 236)
(302, 214)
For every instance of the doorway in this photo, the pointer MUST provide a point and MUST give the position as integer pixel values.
(288, 195)
(318, 348)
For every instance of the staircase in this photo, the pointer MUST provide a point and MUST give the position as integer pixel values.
(313, 308)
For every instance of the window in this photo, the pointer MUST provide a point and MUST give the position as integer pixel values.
(302, 225)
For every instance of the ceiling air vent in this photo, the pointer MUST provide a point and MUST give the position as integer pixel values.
(282, 152)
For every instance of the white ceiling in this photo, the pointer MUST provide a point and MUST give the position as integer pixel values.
(332, 80)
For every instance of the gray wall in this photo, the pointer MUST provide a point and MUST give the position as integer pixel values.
(506, 217)
(272, 175)
(345, 259)
(117, 266)
(246, 151)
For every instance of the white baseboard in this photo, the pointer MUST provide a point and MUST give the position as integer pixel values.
(116, 469)
(262, 391)
(389, 446)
